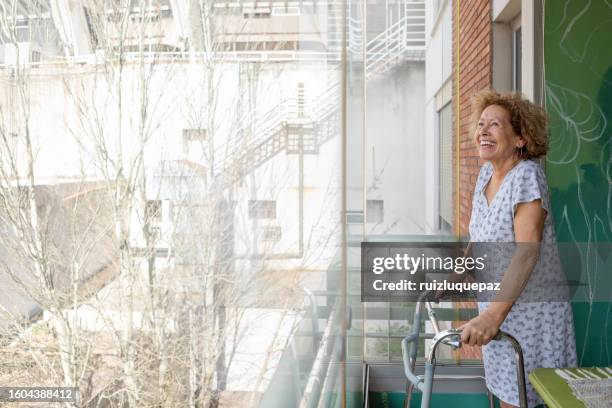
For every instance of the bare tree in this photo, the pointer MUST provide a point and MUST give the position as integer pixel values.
(135, 261)
(42, 266)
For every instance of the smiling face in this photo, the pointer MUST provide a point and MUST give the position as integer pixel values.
(495, 138)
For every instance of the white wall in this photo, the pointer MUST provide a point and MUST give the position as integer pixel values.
(70, 104)
(394, 151)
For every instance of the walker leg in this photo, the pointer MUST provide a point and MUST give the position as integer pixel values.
(491, 401)
(428, 384)
(520, 368)
(409, 389)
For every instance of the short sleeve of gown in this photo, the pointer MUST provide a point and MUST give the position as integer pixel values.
(530, 185)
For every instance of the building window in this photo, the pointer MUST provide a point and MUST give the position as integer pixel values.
(354, 217)
(193, 135)
(154, 234)
(445, 168)
(375, 211)
(193, 139)
(153, 211)
(285, 10)
(22, 30)
(516, 59)
(150, 15)
(258, 13)
(262, 209)
(271, 234)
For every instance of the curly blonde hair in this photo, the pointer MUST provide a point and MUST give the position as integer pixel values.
(527, 119)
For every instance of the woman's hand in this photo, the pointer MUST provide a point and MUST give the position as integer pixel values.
(480, 330)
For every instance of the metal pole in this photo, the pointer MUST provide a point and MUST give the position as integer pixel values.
(520, 366)
(427, 387)
(409, 346)
(518, 352)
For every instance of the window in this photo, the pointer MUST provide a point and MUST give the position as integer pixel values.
(165, 12)
(22, 30)
(285, 10)
(153, 211)
(257, 13)
(375, 211)
(150, 14)
(154, 234)
(271, 234)
(516, 59)
(262, 209)
(445, 168)
(192, 140)
(192, 135)
(354, 217)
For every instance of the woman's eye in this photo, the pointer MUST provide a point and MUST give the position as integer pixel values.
(480, 124)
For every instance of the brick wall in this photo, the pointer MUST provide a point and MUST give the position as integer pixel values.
(472, 33)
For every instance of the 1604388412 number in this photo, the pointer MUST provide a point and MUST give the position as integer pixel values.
(38, 394)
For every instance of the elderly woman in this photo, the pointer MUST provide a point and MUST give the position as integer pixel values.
(511, 204)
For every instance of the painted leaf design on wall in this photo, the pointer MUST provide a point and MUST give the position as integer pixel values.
(575, 119)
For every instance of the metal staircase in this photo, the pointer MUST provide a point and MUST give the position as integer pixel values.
(354, 30)
(283, 128)
(290, 126)
(327, 113)
(403, 40)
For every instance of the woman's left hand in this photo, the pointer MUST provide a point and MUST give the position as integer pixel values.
(480, 330)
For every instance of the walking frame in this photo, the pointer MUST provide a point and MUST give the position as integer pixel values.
(451, 338)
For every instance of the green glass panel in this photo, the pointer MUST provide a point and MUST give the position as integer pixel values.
(578, 85)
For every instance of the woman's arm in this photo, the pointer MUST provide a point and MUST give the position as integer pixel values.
(528, 228)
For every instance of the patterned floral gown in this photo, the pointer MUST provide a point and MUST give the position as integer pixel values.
(544, 329)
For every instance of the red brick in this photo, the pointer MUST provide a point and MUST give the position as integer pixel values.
(473, 36)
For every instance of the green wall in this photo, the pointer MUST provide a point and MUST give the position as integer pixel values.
(578, 89)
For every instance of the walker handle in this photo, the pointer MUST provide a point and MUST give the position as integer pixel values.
(501, 335)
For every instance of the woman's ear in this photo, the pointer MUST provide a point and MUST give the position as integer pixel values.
(520, 142)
